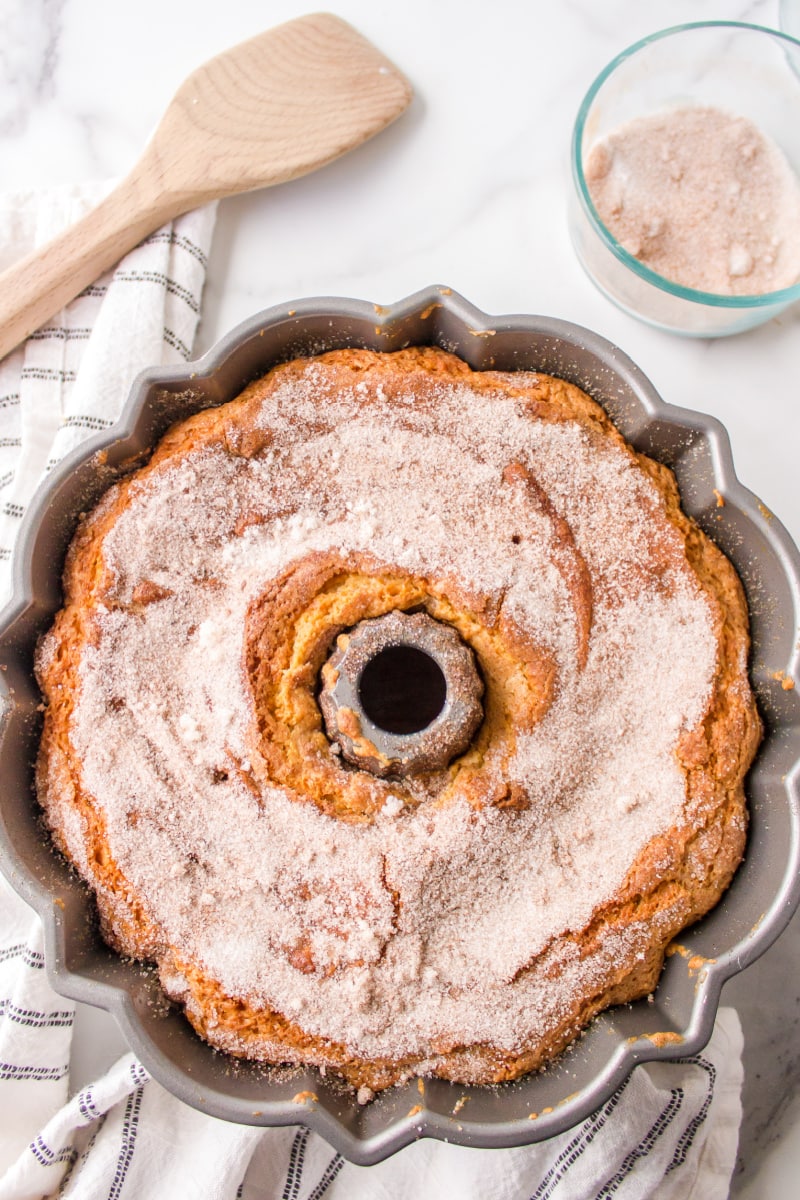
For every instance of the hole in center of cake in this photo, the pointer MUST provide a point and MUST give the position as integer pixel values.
(402, 689)
(400, 694)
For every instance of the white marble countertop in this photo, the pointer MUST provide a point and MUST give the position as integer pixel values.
(468, 189)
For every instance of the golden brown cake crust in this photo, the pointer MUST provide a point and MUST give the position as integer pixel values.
(673, 854)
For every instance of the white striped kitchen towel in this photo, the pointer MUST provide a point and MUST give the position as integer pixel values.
(670, 1132)
(71, 378)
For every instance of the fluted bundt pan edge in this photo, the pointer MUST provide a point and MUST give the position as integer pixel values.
(759, 904)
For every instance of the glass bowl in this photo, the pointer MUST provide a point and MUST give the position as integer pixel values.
(790, 17)
(741, 69)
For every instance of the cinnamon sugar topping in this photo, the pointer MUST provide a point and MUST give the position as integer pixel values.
(383, 934)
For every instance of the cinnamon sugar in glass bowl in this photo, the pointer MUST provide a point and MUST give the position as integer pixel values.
(736, 71)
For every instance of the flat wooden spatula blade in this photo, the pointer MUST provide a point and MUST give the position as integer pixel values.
(278, 106)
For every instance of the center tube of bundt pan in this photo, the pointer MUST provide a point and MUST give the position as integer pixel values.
(401, 694)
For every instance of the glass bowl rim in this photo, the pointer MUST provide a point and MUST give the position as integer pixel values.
(781, 296)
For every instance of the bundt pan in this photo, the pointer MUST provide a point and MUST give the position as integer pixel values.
(679, 1019)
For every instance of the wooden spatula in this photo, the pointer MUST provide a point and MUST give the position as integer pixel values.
(268, 110)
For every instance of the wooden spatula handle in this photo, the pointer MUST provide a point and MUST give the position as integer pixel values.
(35, 288)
